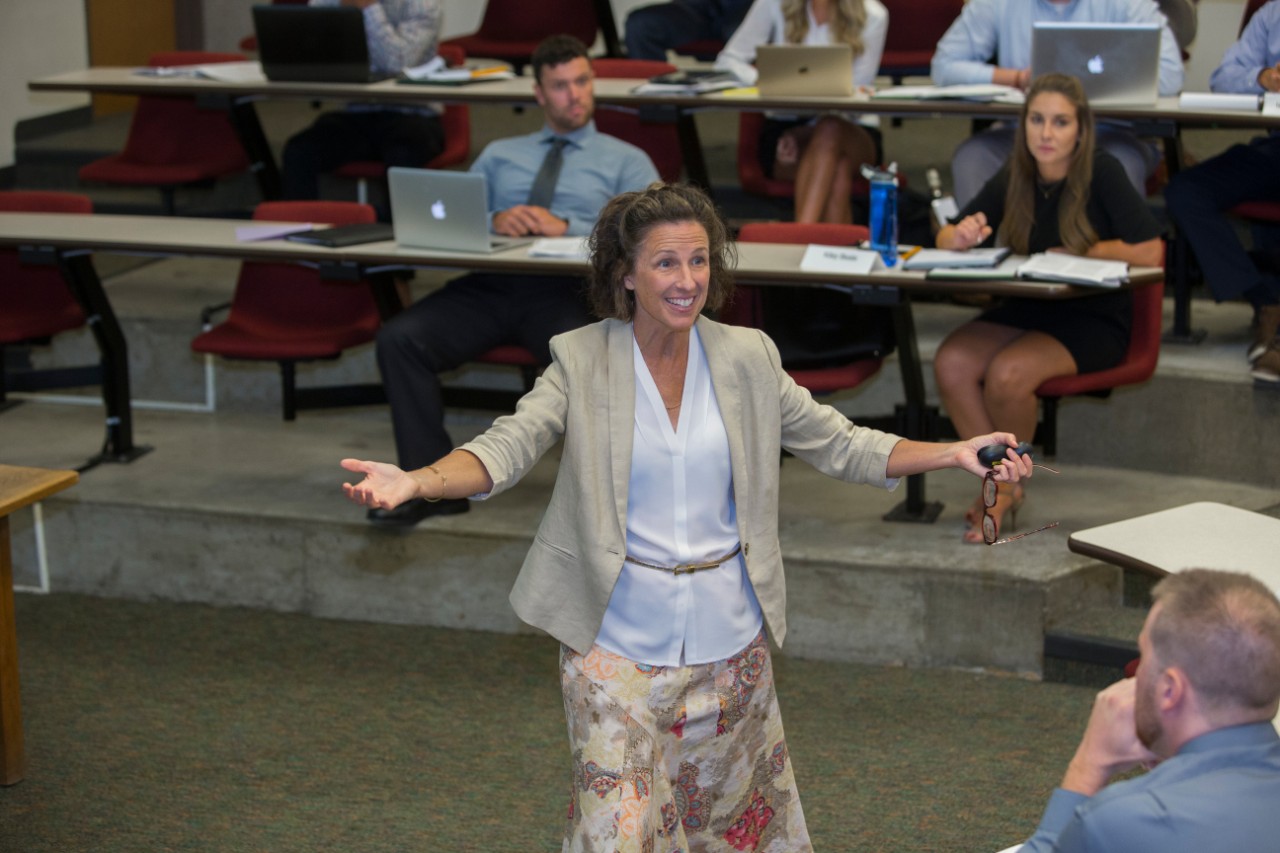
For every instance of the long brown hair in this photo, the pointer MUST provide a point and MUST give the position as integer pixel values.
(846, 25)
(1019, 204)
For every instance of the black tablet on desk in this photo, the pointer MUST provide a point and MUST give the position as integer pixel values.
(346, 235)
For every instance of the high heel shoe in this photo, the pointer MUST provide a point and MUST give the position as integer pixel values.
(1009, 499)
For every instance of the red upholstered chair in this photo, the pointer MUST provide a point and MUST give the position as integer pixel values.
(456, 121)
(914, 29)
(511, 29)
(752, 177)
(826, 342)
(287, 313)
(1138, 365)
(172, 142)
(35, 302)
(660, 140)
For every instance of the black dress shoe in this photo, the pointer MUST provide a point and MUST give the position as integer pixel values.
(411, 512)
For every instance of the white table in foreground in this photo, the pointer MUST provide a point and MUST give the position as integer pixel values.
(1202, 535)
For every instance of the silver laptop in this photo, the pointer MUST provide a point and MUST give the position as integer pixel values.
(1118, 64)
(440, 209)
(803, 70)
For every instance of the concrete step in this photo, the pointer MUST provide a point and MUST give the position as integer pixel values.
(242, 509)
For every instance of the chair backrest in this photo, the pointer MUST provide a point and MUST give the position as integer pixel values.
(522, 21)
(273, 296)
(813, 328)
(915, 26)
(168, 130)
(750, 173)
(1140, 359)
(456, 120)
(35, 301)
(660, 140)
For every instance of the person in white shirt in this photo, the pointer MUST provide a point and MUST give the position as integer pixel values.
(657, 564)
(822, 154)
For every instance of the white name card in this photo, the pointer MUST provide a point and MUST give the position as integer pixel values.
(1271, 104)
(840, 259)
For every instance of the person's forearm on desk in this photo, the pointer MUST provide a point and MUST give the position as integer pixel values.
(1148, 253)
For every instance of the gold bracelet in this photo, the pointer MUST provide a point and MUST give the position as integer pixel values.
(444, 484)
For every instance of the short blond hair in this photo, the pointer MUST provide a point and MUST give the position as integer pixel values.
(1223, 630)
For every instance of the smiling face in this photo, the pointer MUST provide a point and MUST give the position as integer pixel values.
(670, 278)
(1053, 132)
(566, 94)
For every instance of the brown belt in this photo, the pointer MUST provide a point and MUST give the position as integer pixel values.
(687, 568)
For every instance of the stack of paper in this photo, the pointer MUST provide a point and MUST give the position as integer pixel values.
(928, 259)
(1219, 101)
(436, 71)
(971, 92)
(688, 82)
(1056, 266)
(559, 247)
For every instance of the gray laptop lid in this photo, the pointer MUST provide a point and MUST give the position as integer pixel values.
(440, 209)
(803, 70)
(1116, 63)
(312, 44)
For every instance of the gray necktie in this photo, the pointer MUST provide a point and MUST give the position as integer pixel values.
(544, 183)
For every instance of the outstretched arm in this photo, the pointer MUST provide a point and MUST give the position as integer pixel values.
(918, 457)
(385, 486)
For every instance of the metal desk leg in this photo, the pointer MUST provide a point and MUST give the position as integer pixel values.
(695, 165)
(608, 28)
(916, 418)
(78, 270)
(261, 162)
(1177, 261)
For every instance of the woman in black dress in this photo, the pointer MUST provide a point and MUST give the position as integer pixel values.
(1055, 194)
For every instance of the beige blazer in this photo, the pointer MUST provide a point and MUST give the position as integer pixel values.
(587, 396)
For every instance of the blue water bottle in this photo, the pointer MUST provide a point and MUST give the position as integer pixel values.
(884, 211)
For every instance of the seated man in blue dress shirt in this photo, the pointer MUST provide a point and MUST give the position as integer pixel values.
(1201, 708)
(1198, 197)
(474, 314)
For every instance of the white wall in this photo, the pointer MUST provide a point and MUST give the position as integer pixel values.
(62, 45)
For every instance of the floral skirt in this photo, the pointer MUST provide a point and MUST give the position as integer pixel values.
(678, 759)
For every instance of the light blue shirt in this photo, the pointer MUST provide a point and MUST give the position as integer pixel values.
(1220, 792)
(1258, 48)
(596, 168)
(1002, 28)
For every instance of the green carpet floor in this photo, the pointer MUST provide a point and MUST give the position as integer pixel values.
(157, 727)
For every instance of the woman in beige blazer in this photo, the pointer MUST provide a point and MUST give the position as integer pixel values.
(657, 564)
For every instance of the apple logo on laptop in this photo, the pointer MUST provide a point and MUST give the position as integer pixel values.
(1095, 64)
(437, 209)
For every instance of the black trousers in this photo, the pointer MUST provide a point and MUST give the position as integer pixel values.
(395, 138)
(466, 318)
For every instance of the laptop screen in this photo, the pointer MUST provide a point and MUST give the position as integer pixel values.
(1115, 63)
(312, 44)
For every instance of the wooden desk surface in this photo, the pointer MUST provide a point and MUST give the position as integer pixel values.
(608, 91)
(22, 486)
(758, 263)
(18, 488)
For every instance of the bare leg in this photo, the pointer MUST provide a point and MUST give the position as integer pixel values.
(835, 152)
(987, 376)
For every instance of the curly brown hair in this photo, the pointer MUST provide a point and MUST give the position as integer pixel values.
(621, 229)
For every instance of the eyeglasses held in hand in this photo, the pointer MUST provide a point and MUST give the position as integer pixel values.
(991, 491)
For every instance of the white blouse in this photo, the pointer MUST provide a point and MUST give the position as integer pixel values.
(680, 509)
